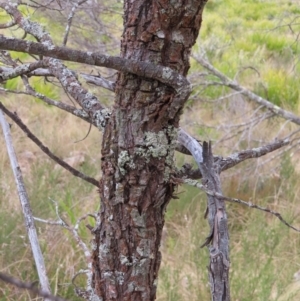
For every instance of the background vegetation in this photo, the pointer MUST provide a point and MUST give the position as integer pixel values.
(235, 35)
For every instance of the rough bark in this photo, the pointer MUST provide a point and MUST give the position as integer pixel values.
(218, 238)
(137, 153)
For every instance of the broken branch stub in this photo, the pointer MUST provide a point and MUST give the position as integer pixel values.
(218, 238)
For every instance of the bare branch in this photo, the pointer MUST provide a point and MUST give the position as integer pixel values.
(74, 232)
(252, 96)
(238, 201)
(70, 109)
(29, 221)
(70, 19)
(190, 143)
(9, 73)
(239, 157)
(163, 74)
(99, 81)
(218, 237)
(86, 100)
(29, 286)
(45, 149)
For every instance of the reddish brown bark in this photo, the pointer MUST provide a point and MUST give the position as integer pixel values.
(137, 153)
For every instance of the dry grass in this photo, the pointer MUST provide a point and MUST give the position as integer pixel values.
(45, 179)
(264, 253)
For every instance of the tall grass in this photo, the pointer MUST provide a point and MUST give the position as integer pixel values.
(264, 252)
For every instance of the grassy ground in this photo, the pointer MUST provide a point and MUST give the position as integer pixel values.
(264, 252)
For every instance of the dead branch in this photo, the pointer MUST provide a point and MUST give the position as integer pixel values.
(70, 19)
(85, 99)
(228, 162)
(29, 221)
(74, 232)
(46, 150)
(29, 286)
(238, 201)
(250, 95)
(7, 73)
(239, 157)
(163, 74)
(63, 106)
(99, 81)
(10, 73)
(218, 238)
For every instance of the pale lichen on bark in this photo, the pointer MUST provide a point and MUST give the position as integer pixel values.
(159, 145)
(125, 159)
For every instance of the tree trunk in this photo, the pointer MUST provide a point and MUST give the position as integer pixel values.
(138, 149)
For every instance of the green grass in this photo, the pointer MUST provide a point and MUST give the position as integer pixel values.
(264, 253)
(236, 34)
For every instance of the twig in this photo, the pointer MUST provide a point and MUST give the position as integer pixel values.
(29, 221)
(74, 231)
(65, 107)
(99, 81)
(238, 201)
(70, 19)
(90, 79)
(30, 287)
(46, 150)
(239, 157)
(252, 96)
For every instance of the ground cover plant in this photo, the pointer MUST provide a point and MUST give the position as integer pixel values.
(254, 43)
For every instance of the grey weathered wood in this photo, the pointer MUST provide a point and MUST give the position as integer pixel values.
(218, 238)
(29, 221)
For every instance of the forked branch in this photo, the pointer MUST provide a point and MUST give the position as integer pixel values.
(187, 141)
(68, 80)
(165, 75)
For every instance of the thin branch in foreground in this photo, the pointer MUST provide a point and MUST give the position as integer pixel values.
(30, 287)
(46, 150)
(238, 201)
(25, 205)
